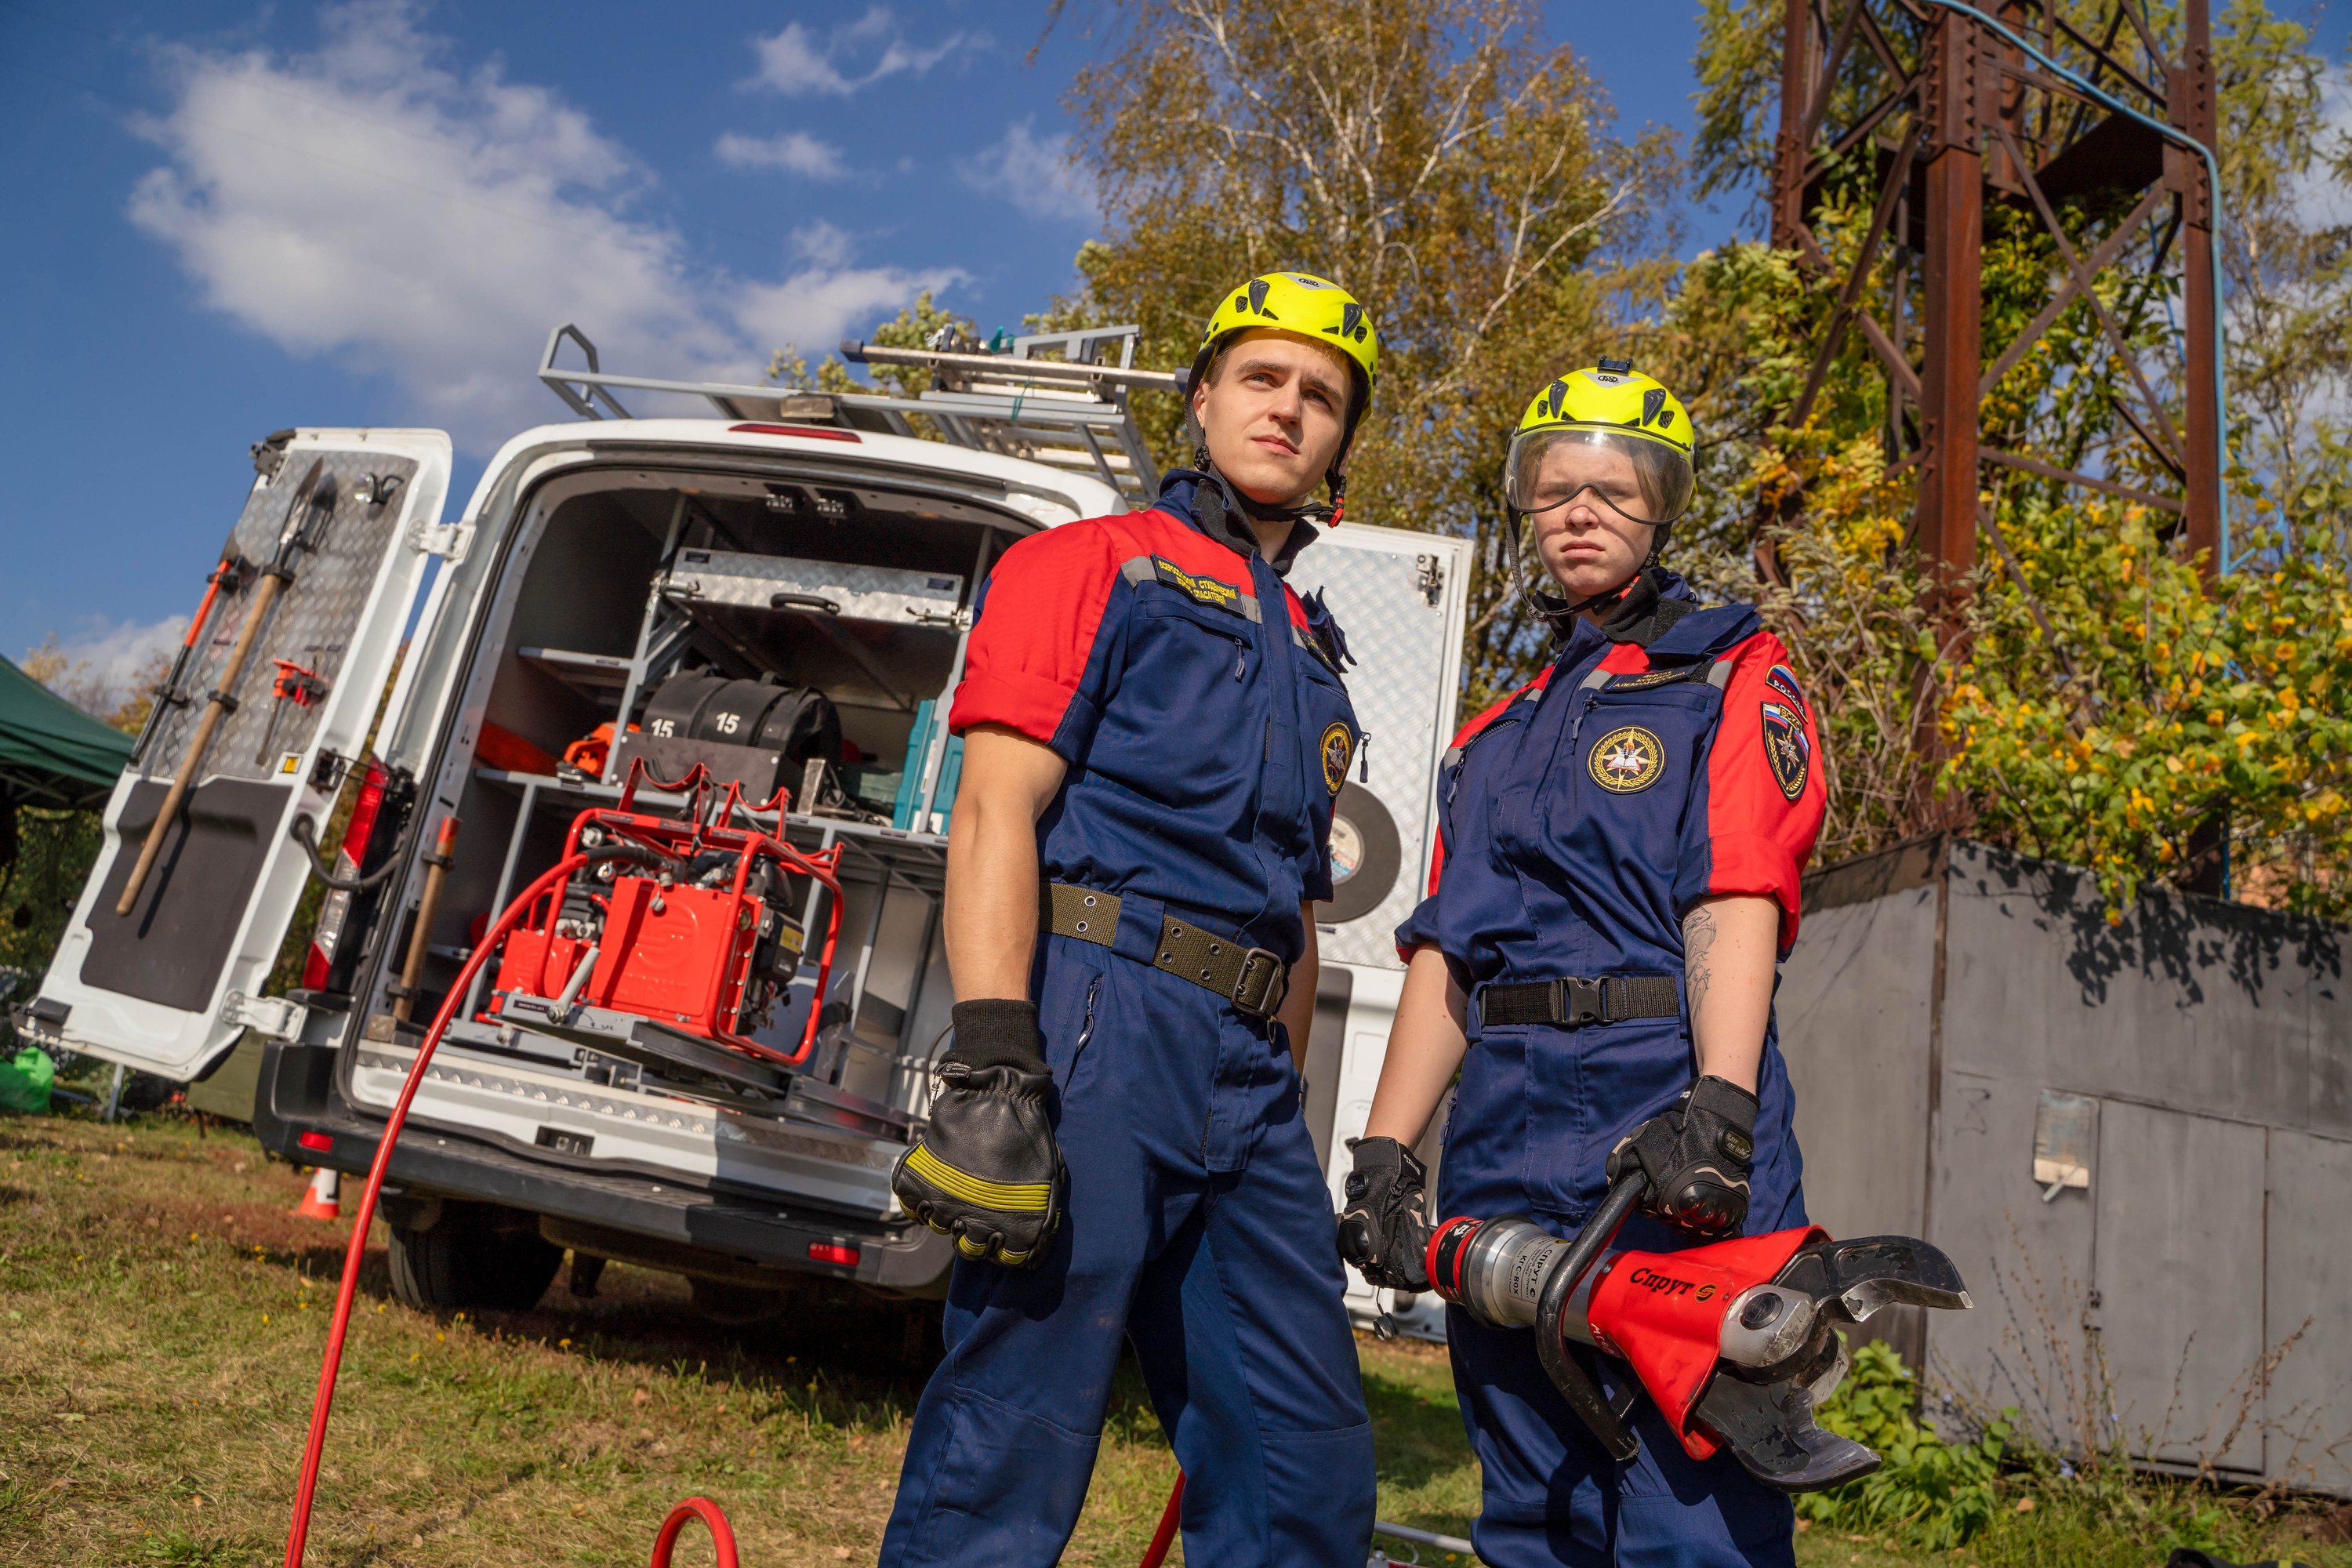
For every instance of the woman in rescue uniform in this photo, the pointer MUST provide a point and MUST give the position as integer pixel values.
(1636, 815)
(1155, 728)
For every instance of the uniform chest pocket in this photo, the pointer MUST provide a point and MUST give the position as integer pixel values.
(1200, 641)
(1635, 755)
(1190, 725)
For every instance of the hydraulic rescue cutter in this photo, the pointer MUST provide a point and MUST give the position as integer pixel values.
(676, 945)
(1737, 1341)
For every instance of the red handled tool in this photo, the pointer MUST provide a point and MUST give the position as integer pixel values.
(229, 577)
(1736, 1342)
(295, 683)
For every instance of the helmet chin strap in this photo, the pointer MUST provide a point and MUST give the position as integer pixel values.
(1559, 609)
(1259, 511)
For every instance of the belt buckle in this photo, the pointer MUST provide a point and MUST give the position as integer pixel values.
(1261, 974)
(1578, 1002)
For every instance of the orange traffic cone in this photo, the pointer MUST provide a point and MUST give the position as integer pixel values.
(322, 1198)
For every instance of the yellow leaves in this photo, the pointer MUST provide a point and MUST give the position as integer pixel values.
(2215, 717)
(2172, 765)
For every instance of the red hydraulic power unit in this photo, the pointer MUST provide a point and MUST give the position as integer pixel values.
(684, 920)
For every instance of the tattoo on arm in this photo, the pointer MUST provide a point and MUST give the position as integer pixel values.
(1698, 955)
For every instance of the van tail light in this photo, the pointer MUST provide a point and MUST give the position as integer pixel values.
(833, 1253)
(374, 825)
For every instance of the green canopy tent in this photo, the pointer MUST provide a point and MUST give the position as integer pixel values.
(51, 753)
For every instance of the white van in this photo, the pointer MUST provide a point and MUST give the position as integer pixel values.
(785, 583)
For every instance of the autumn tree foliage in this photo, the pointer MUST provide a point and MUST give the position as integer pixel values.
(1446, 163)
(2100, 704)
(1462, 172)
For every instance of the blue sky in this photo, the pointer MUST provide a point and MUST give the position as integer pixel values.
(224, 220)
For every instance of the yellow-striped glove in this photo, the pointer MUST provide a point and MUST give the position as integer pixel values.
(987, 1171)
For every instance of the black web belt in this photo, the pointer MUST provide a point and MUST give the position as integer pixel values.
(1576, 1002)
(1252, 978)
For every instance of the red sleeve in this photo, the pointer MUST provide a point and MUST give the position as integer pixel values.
(1040, 616)
(1765, 791)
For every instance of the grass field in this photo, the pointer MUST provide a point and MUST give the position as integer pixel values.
(161, 1321)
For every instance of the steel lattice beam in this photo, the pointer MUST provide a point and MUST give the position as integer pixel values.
(1929, 120)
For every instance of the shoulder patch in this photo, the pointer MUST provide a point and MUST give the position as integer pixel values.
(1627, 759)
(1207, 590)
(1783, 679)
(1786, 748)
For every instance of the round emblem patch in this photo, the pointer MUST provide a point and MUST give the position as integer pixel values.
(1338, 746)
(1627, 759)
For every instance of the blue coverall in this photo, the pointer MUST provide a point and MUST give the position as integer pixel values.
(1198, 704)
(1580, 819)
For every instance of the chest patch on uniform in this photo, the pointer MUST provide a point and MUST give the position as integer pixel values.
(1783, 679)
(1627, 759)
(1207, 590)
(1786, 748)
(1338, 747)
(1643, 679)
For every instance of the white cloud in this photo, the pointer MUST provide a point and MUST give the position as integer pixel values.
(795, 151)
(793, 62)
(820, 244)
(428, 222)
(102, 662)
(1033, 173)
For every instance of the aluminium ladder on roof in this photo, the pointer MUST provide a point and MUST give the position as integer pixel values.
(1069, 412)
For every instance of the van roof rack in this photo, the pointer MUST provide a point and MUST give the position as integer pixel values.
(1060, 398)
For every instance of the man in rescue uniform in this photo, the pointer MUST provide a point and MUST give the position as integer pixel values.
(1155, 730)
(1615, 879)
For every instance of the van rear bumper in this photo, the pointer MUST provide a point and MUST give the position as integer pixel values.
(740, 1234)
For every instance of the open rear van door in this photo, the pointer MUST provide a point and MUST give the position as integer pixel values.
(169, 987)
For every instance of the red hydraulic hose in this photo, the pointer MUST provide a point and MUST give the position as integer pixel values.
(306, 1488)
(722, 1536)
(1165, 1536)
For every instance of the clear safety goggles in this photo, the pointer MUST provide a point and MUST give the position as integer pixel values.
(1639, 480)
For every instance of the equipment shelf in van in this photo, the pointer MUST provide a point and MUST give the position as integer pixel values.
(886, 593)
(596, 676)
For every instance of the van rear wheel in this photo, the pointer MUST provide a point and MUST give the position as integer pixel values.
(473, 1256)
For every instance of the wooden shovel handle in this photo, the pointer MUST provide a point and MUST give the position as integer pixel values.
(200, 743)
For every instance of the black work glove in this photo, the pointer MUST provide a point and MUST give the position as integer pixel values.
(1381, 1230)
(987, 1171)
(1696, 1157)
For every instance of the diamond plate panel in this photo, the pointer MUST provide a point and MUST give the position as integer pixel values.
(311, 622)
(1397, 636)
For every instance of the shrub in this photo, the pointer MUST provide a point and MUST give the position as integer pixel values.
(1929, 1492)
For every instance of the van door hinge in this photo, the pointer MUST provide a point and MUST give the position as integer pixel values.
(1429, 577)
(271, 1015)
(450, 538)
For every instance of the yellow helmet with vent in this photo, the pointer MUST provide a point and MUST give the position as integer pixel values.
(1313, 307)
(1609, 407)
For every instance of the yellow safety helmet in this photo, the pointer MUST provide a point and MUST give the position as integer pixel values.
(1609, 406)
(1312, 306)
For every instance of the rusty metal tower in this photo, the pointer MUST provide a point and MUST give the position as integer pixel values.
(1912, 134)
